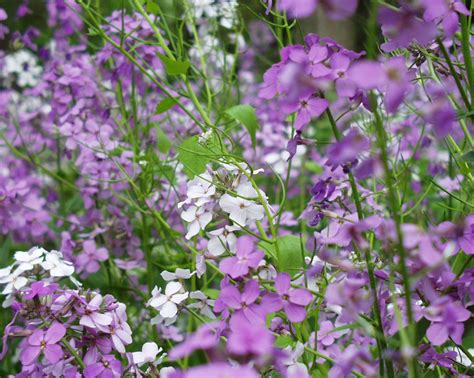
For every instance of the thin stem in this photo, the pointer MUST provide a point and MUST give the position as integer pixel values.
(466, 52)
(395, 212)
(74, 354)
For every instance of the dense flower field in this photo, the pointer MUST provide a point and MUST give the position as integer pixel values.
(200, 188)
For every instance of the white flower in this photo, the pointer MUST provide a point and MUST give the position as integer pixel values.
(295, 369)
(167, 371)
(28, 260)
(201, 189)
(221, 239)
(228, 13)
(179, 273)
(198, 219)
(14, 281)
(5, 272)
(279, 160)
(202, 7)
(167, 303)
(242, 210)
(203, 304)
(204, 137)
(56, 266)
(200, 265)
(24, 64)
(158, 320)
(147, 355)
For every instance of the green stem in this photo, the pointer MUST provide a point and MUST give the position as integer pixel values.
(466, 52)
(460, 87)
(74, 354)
(395, 212)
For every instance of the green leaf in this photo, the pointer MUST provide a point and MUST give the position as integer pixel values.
(211, 293)
(165, 105)
(468, 338)
(92, 32)
(174, 67)
(462, 115)
(313, 167)
(247, 116)
(291, 258)
(152, 7)
(468, 157)
(193, 156)
(283, 341)
(162, 141)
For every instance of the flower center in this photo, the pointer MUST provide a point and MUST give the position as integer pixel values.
(393, 74)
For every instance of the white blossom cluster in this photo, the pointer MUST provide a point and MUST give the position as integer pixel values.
(236, 198)
(31, 264)
(223, 10)
(175, 295)
(210, 17)
(22, 65)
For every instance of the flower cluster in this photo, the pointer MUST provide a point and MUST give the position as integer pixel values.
(220, 191)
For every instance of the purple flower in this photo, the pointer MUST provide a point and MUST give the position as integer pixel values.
(439, 111)
(92, 316)
(463, 234)
(298, 8)
(326, 335)
(119, 330)
(219, 370)
(245, 302)
(323, 190)
(438, 359)
(293, 144)
(3, 29)
(293, 301)
(339, 9)
(306, 108)
(392, 77)
(88, 260)
(446, 321)
(206, 337)
(247, 338)
(445, 12)
(316, 56)
(245, 258)
(403, 27)
(44, 342)
(107, 367)
(352, 356)
(351, 295)
(345, 151)
(41, 289)
(340, 63)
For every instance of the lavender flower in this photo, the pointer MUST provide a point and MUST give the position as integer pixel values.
(246, 258)
(44, 342)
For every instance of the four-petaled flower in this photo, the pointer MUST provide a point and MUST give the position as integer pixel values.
(242, 210)
(108, 366)
(198, 218)
(46, 342)
(293, 301)
(93, 317)
(147, 355)
(167, 303)
(245, 258)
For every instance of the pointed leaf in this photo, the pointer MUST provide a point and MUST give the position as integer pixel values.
(247, 116)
